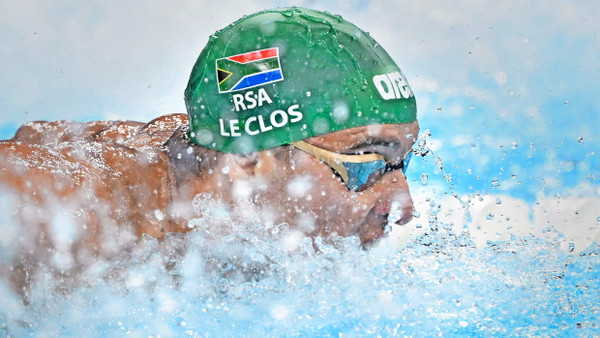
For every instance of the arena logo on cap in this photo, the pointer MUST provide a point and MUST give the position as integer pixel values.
(247, 70)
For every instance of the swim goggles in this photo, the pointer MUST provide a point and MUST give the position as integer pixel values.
(357, 171)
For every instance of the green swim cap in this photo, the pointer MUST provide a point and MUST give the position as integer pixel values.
(287, 74)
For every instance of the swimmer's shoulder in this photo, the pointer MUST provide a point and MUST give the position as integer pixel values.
(157, 132)
(168, 123)
(51, 132)
(127, 133)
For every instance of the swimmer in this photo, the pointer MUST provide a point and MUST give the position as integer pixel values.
(296, 111)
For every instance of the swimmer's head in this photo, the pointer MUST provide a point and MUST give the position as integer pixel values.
(306, 116)
(288, 74)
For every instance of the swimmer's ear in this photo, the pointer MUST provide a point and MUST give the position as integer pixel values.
(242, 164)
(262, 163)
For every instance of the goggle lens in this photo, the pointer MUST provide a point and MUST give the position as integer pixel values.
(360, 175)
(357, 171)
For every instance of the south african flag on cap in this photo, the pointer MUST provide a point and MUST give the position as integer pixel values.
(248, 70)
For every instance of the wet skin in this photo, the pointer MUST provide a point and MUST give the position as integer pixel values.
(304, 192)
(126, 174)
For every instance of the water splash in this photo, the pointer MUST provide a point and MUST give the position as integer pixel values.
(249, 280)
(235, 276)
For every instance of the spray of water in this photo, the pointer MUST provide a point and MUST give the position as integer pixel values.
(237, 276)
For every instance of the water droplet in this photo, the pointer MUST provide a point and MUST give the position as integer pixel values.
(159, 215)
(320, 126)
(571, 247)
(495, 184)
(204, 136)
(308, 94)
(580, 139)
(223, 284)
(490, 216)
(424, 178)
(341, 112)
(498, 200)
(225, 170)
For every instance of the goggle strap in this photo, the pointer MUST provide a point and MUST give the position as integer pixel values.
(330, 158)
